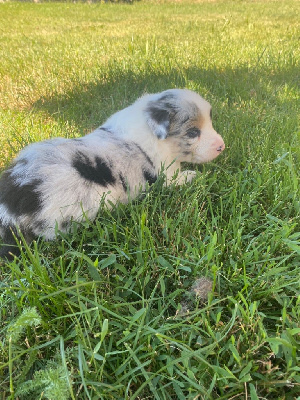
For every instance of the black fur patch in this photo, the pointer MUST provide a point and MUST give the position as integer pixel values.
(21, 161)
(167, 101)
(193, 132)
(9, 248)
(122, 179)
(98, 172)
(10, 238)
(65, 224)
(19, 199)
(162, 111)
(40, 225)
(145, 155)
(103, 128)
(159, 115)
(149, 176)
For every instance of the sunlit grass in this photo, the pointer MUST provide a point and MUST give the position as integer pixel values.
(110, 311)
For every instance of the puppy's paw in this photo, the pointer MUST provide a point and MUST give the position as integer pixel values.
(185, 177)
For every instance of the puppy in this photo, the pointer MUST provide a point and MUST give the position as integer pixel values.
(54, 182)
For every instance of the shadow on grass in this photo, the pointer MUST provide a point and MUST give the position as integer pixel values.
(88, 105)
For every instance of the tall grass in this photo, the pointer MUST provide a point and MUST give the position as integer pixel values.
(120, 309)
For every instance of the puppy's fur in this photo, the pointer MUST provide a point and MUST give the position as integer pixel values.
(56, 181)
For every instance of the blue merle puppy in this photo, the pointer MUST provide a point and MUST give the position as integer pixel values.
(57, 181)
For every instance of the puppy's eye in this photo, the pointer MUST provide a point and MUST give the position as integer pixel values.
(193, 132)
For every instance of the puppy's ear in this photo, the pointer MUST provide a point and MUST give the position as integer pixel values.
(159, 114)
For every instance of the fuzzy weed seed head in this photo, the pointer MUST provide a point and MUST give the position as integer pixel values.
(201, 288)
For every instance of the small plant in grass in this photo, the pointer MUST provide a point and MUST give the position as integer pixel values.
(50, 382)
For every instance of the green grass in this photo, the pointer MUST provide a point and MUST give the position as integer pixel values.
(111, 310)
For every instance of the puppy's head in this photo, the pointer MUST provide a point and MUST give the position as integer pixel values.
(184, 119)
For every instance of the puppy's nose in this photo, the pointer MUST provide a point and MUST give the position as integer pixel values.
(221, 148)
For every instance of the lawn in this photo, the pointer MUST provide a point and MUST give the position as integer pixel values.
(185, 293)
